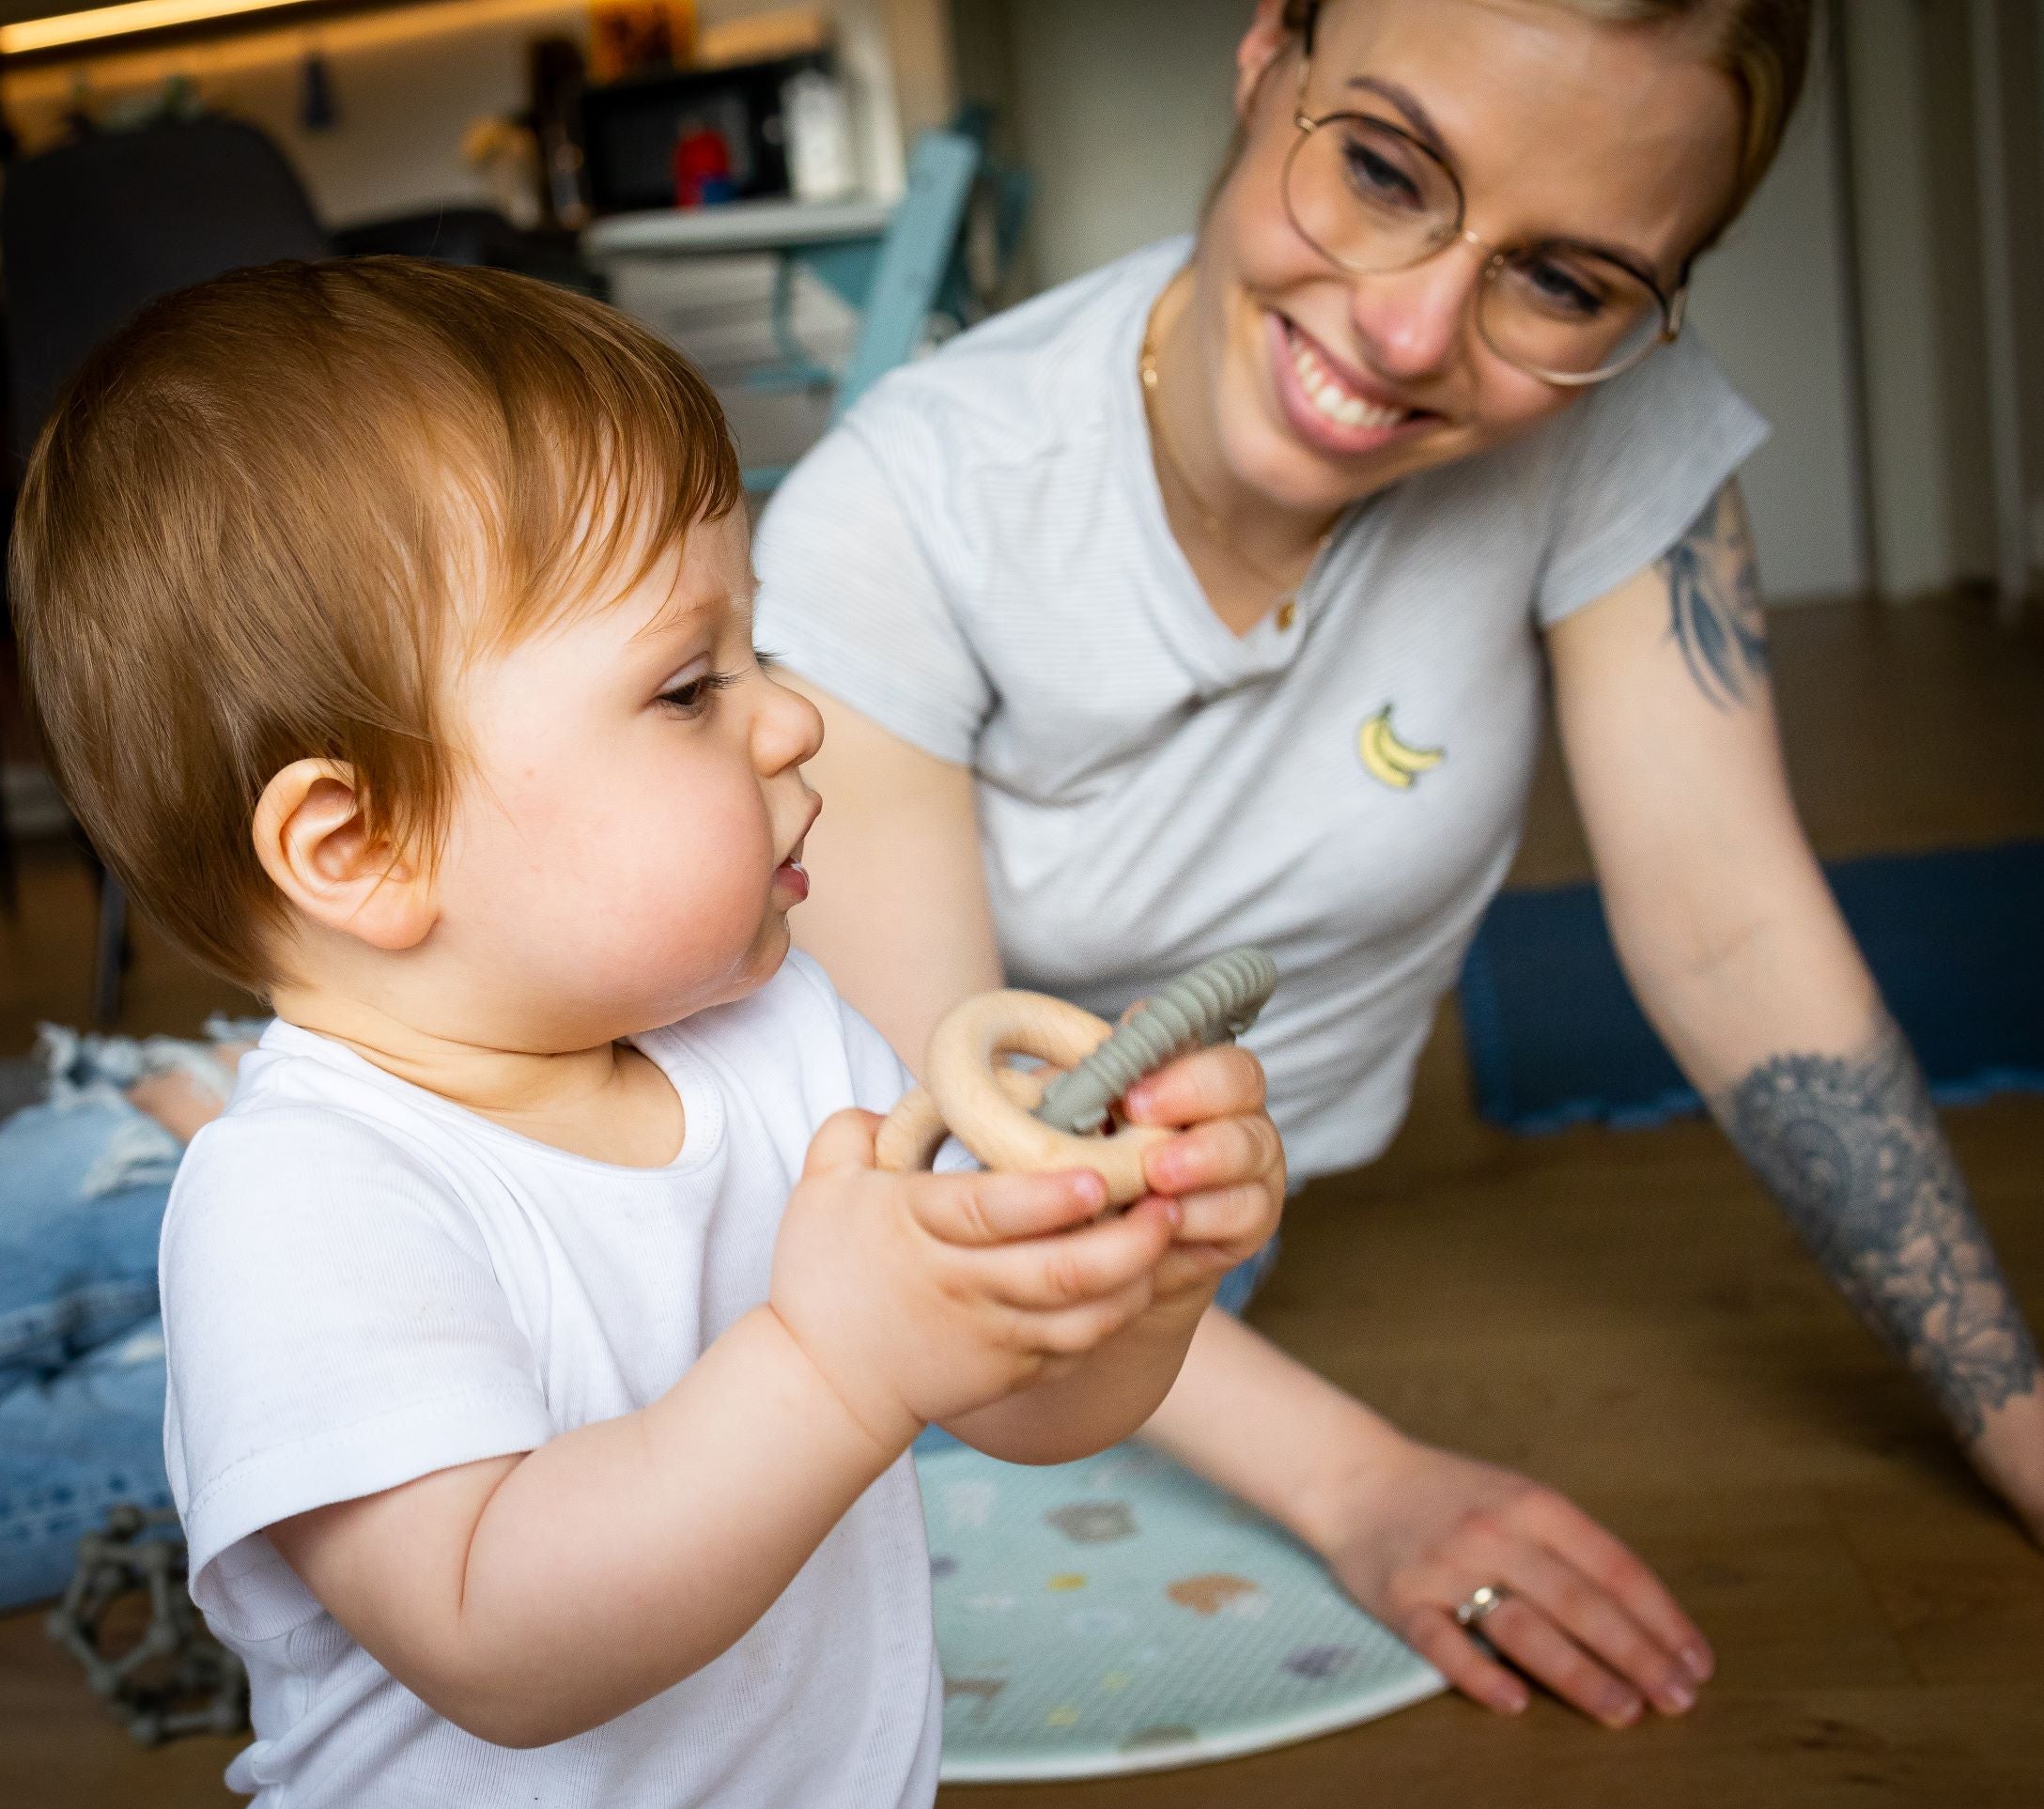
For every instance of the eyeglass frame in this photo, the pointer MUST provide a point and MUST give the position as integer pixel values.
(1673, 309)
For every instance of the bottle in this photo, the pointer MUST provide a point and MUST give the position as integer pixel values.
(821, 164)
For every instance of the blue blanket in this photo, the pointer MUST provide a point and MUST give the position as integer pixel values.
(1956, 940)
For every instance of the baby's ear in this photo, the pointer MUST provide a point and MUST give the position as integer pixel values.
(313, 833)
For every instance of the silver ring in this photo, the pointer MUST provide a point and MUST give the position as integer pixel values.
(1481, 1603)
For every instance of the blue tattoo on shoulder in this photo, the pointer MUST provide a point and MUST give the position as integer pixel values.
(1714, 604)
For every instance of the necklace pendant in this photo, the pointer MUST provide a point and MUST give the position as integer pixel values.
(1288, 613)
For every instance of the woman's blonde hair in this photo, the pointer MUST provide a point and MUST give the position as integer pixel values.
(1762, 46)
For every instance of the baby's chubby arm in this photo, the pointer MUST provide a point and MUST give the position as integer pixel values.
(1225, 1173)
(530, 1598)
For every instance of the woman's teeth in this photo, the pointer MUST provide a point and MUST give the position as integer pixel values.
(1334, 398)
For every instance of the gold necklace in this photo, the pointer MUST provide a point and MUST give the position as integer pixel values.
(1286, 597)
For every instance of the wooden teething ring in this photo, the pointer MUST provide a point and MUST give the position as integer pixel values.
(987, 1105)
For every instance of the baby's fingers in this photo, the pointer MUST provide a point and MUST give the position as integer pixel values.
(843, 1140)
(1239, 1219)
(1051, 1273)
(1221, 1082)
(1074, 1330)
(988, 1208)
(1221, 1154)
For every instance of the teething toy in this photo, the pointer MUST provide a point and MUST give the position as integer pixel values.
(1036, 1122)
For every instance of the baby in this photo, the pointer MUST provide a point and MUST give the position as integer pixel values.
(545, 1348)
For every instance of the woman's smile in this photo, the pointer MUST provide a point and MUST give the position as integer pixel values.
(1328, 403)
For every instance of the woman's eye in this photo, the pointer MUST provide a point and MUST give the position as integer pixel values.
(1558, 290)
(1377, 179)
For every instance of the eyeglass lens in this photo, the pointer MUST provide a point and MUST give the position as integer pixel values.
(1374, 200)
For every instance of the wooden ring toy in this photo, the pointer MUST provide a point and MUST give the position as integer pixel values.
(974, 1093)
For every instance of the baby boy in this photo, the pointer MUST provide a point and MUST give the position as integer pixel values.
(544, 1346)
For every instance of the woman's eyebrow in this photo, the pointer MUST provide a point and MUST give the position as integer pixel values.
(1407, 103)
(1423, 128)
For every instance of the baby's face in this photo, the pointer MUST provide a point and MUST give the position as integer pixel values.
(627, 838)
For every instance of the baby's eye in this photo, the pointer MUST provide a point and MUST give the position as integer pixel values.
(693, 698)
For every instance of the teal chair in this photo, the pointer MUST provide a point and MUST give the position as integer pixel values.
(897, 281)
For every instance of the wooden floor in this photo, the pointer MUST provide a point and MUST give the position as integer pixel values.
(1620, 1315)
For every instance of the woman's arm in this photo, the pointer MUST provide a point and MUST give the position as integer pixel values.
(899, 919)
(898, 916)
(1409, 1529)
(1739, 955)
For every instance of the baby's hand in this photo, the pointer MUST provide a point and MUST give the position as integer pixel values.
(1226, 1169)
(921, 1296)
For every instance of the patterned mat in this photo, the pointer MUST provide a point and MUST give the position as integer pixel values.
(1119, 1615)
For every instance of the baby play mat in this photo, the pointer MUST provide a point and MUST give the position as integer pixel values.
(1117, 1615)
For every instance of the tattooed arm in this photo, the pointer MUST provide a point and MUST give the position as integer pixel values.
(1849, 1146)
(1732, 941)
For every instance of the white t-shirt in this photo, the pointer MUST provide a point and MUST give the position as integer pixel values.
(978, 559)
(364, 1283)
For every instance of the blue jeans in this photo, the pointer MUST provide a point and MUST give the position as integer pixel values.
(83, 1184)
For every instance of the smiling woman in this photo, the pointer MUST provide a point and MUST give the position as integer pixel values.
(1215, 596)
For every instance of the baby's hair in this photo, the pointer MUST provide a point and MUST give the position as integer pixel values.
(272, 513)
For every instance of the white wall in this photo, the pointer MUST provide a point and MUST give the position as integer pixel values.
(1772, 302)
(1122, 116)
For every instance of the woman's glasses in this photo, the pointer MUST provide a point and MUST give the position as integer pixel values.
(1371, 198)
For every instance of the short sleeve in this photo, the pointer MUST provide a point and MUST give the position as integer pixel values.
(851, 598)
(1645, 454)
(332, 1327)
(879, 1077)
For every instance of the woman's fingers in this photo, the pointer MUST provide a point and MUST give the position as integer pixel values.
(1521, 1632)
(1432, 1634)
(1597, 1623)
(1614, 1567)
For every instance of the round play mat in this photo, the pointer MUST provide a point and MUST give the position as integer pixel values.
(1117, 1615)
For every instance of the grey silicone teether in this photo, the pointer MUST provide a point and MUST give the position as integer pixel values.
(1214, 1003)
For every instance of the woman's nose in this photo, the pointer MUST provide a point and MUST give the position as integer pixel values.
(1411, 322)
(787, 730)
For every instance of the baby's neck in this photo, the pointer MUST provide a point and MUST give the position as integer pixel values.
(607, 1102)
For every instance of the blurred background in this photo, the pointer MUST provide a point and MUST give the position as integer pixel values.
(731, 172)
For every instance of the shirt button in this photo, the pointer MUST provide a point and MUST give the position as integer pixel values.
(1287, 614)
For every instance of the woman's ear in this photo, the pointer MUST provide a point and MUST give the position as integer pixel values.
(1262, 45)
(312, 835)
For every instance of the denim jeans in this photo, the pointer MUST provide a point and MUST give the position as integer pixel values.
(83, 1184)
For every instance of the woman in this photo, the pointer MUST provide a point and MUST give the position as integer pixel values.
(1208, 599)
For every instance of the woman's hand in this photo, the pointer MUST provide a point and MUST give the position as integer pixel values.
(1424, 1529)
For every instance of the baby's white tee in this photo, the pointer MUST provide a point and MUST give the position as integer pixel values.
(363, 1284)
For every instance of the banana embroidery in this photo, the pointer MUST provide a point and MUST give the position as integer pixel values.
(1389, 759)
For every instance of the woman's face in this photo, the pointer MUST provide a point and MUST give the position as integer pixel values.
(1557, 127)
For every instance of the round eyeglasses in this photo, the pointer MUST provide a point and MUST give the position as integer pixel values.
(1372, 198)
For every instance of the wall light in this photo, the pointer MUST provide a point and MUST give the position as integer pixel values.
(123, 20)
